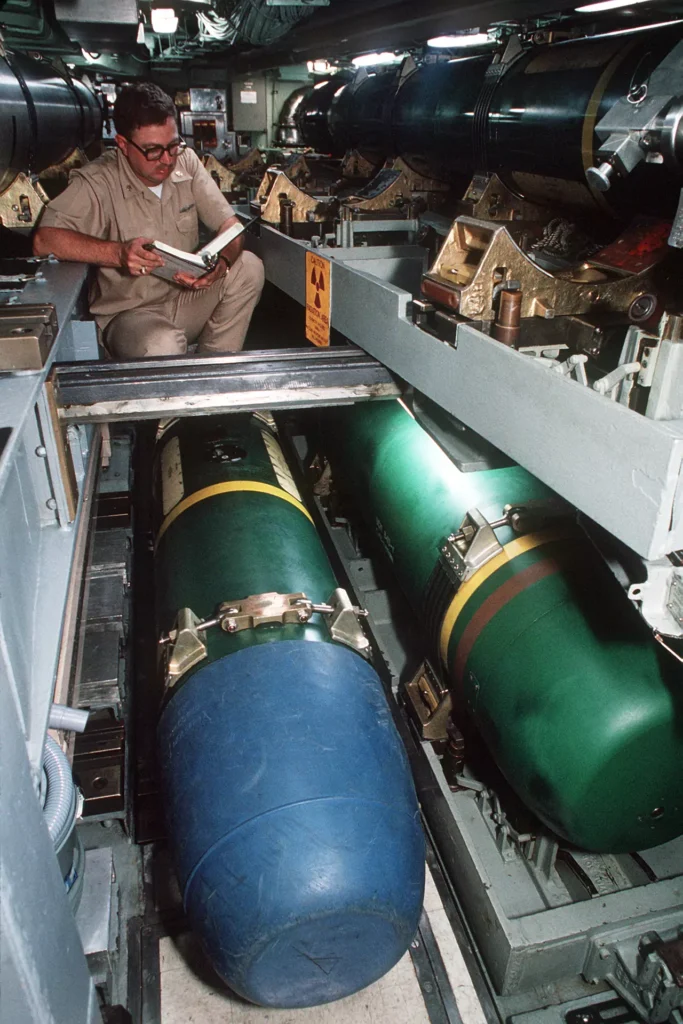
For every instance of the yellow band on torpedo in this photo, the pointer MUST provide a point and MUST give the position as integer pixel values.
(226, 488)
(467, 589)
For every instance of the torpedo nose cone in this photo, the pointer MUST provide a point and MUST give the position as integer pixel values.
(294, 821)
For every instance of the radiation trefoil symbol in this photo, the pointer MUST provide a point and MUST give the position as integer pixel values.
(319, 283)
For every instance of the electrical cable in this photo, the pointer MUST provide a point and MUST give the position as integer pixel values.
(248, 20)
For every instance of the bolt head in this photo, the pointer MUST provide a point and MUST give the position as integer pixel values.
(642, 307)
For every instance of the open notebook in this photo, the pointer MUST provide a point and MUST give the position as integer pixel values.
(195, 263)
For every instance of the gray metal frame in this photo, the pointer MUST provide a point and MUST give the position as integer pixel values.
(529, 943)
(44, 975)
(620, 468)
(153, 388)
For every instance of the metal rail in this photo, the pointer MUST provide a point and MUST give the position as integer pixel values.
(191, 386)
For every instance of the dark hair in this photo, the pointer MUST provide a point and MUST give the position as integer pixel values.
(141, 104)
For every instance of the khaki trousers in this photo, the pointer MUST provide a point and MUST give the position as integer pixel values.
(216, 318)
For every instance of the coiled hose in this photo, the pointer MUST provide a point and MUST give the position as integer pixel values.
(59, 804)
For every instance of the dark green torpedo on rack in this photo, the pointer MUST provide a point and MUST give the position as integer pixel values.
(580, 708)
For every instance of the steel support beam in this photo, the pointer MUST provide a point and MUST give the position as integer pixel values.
(285, 379)
(622, 469)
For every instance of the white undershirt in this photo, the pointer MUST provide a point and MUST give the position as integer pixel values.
(156, 189)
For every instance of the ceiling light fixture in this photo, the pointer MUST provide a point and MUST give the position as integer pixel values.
(467, 39)
(608, 5)
(368, 60)
(319, 67)
(164, 21)
(641, 28)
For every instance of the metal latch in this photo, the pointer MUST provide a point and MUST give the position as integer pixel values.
(475, 543)
(342, 621)
(430, 703)
(187, 648)
(659, 598)
(675, 600)
(646, 971)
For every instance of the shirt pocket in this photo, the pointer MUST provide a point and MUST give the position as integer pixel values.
(186, 209)
(135, 219)
(181, 227)
(187, 222)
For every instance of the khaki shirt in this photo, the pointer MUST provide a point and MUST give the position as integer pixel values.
(106, 200)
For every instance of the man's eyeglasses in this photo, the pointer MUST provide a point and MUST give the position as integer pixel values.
(152, 153)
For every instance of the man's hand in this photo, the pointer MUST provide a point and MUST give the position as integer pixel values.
(205, 281)
(137, 260)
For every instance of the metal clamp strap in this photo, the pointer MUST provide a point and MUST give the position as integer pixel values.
(187, 648)
(475, 543)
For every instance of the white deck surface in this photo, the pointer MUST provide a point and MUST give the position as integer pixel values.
(192, 994)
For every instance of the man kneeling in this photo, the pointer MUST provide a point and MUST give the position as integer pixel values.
(151, 187)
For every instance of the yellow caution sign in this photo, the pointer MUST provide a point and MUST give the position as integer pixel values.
(318, 300)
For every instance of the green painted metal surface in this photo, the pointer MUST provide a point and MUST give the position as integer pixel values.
(414, 492)
(580, 708)
(236, 544)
